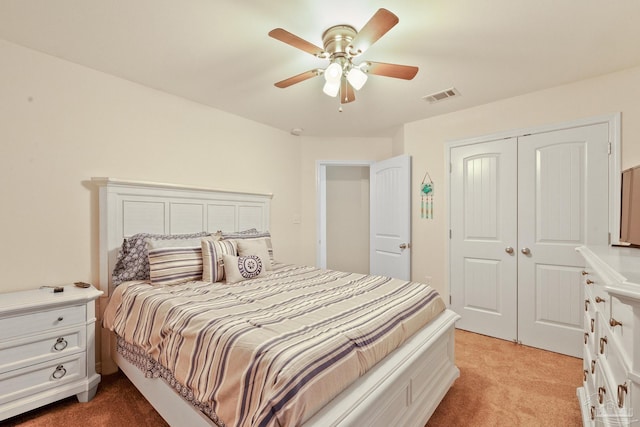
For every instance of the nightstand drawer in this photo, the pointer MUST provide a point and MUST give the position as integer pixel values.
(21, 352)
(19, 326)
(36, 378)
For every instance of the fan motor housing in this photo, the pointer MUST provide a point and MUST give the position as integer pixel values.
(337, 39)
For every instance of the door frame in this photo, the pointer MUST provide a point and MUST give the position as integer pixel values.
(321, 203)
(613, 120)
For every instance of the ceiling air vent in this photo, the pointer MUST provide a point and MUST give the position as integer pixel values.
(442, 95)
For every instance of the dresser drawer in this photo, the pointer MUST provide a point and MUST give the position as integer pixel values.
(39, 348)
(21, 325)
(599, 297)
(624, 332)
(590, 334)
(43, 376)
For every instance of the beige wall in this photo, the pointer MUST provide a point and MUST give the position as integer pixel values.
(63, 124)
(425, 141)
(347, 214)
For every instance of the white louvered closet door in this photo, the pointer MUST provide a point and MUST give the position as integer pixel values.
(519, 207)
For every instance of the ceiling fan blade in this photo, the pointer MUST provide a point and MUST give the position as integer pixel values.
(347, 94)
(381, 22)
(299, 78)
(405, 72)
(295, 41)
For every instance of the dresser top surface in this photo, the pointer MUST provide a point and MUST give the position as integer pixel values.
(11, 302)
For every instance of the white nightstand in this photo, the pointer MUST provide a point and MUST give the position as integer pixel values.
(47, 347)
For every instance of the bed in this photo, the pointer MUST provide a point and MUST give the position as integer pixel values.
(402, 388)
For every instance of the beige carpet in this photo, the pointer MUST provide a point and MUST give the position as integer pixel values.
(501, 384)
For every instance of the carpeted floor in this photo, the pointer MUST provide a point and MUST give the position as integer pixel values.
(501, 384)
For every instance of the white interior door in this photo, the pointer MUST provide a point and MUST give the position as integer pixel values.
(518, 209)
(390, 217)
(483, 237)
(562, 204)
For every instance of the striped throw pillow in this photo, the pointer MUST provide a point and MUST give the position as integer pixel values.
(173, 263)
(212, 260)
(266, 236)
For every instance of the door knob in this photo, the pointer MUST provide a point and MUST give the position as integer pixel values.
(525, 251)
(405, 245)
(508, 250)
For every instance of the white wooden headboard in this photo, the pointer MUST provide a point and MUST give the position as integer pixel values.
(130, 207)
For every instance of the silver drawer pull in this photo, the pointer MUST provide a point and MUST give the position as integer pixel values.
(586, 304)
(589, 282)
(613, 322)
(622, 392)
(601, 392)
(603, 341)
(593, 366)
(593, 412)
(60, 344)
(584, 272)
(586, 337)
(598, 300)
(59, 372)
(584, 375)
(593, 325)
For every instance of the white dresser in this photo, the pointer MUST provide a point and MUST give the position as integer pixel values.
(47, 347)
(610, 394)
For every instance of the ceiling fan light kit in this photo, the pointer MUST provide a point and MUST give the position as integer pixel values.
(342, 43)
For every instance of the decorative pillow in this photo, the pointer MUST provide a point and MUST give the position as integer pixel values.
(132, 262)
(242, 268)
(255, 247)
(174, 261)
(244, 235)
(212, 262)
(226, 234)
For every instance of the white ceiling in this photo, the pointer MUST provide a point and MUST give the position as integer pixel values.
(217, 52)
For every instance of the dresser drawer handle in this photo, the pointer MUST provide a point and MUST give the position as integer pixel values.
(59, 372)
(598, 299)
(589, 282)
(586, 305)
(593, 412)
(593, 366)
(584, 272)
(613, 322)
(586, 337)
(603, 341)
(584, 374)
(622, 392)
(60, 319)
(60, 344)
(593, 325)
(601, 392)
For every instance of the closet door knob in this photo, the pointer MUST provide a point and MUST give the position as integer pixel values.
(525, 251)
(508, 250)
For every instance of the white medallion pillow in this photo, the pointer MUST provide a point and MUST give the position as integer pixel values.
(239, 268)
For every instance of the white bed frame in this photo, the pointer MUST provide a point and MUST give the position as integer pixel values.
(402, 390)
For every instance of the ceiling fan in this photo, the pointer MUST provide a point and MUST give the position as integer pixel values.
(342, 44)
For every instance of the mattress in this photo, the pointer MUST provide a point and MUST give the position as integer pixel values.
(269, 351)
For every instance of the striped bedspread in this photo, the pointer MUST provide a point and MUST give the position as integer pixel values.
(270, 351)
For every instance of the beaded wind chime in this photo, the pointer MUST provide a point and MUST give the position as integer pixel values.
(426, 196)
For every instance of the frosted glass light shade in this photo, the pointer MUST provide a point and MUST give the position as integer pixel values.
(333, 73)
(331, 88)
(357, 78)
